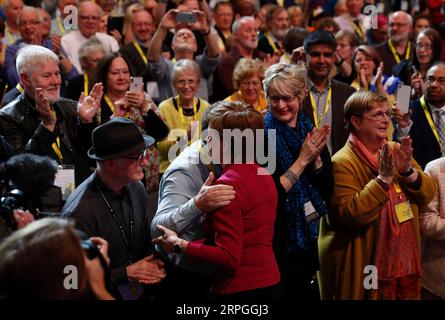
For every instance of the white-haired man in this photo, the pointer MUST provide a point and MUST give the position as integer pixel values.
(12, 9)
(38, 120)
(89, 19)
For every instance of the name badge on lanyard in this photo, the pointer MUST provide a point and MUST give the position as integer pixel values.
(403, 209)
(309, 211)
(65, 180)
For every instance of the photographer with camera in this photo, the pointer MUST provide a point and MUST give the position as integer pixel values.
(184, 46)
(112, 203)
(24, 274)
(27, 190)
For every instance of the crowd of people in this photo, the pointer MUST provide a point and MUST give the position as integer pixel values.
(132, 103)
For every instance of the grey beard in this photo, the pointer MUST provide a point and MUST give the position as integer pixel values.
(280, 34)
(398, 38)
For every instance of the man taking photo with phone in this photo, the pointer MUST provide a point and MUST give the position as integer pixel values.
(184, 47)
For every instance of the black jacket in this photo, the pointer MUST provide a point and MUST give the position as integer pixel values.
(425, 145)
(20, 124)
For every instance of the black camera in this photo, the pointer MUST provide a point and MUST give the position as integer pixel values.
(91, 250)
(27, 183)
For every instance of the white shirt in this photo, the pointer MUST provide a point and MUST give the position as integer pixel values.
(72, 41)
(345, 21)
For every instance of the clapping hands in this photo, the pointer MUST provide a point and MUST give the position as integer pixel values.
(88, 106)
(314, 144)
(386, 165)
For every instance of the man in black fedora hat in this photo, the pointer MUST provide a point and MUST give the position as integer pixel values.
(113, 204)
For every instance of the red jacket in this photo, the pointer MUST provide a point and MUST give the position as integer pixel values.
(239, 236)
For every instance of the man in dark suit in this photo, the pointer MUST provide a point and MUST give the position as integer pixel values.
(429, 118)
(326, 98)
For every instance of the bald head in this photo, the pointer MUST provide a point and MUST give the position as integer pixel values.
(89, 18)
(400, 26)
(435, 85)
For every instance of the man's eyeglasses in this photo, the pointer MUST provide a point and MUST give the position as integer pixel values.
(431, 80)
(397, 24)
(317, 54)
(380, 114)
(140, 158)
(94, 18)
(183, 83)
(247, 83)
(286, 99)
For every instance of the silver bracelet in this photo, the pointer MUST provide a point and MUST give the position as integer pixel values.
(291, 176)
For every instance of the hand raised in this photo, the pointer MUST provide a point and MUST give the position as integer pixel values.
(313, 144)
(402, 119)
(169, 20)
(403, 154)
(87, 107)
(201, 22)
(386, 165)
(46, 113)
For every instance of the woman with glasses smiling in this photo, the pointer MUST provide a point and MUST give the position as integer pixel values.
(428, 48)
(303, 178)
(247, 78)
(370, 239)
(182, 113)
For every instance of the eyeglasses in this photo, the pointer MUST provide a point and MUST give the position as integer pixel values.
(424, 46)
(142, 24)
(343, 45)
(432, 79)
(93, 18)
(140, 158)
(116, 72)
(380, 114)
(286, 99)
(247, 83)
(31, 23)
(183, 83)
(360, 60)
(396, 24)
(317, 54)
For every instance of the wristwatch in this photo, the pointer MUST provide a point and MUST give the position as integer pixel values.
(408, 173)
(177, 247)
(338, 64)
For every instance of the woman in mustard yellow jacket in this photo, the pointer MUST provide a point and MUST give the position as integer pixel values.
(369, 242)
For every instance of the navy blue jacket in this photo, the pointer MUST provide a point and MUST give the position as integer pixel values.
(425, 145)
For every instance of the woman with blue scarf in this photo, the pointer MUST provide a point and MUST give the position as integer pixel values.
(303, 179)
